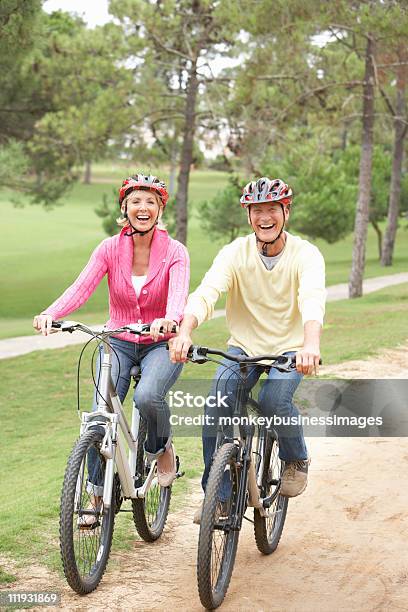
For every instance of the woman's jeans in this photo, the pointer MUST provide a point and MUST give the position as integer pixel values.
(275, 399)
(158, 375)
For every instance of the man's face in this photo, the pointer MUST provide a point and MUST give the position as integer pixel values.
(267, 219)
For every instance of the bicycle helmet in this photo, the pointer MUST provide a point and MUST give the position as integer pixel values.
(141, 181)
(266, 190)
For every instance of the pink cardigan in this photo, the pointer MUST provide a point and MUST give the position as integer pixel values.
(164, 293)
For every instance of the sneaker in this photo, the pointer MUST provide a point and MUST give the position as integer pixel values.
(198, 513)
(294, 478)
(222, 512)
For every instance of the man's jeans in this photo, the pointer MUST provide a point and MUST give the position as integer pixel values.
(158, 375)
(275, 399)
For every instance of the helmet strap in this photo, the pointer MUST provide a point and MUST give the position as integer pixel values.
(140, 232)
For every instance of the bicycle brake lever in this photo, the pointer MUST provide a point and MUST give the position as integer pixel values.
(68, 326)
(198, 354)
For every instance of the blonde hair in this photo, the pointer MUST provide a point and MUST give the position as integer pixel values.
(123, 222)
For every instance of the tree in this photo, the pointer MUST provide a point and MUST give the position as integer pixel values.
(400, 120)
(314, 88)
(364, 191)
(179, 36)
(223, 217)
(64, 102)
(19, 33)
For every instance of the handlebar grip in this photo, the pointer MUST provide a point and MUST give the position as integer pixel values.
(56, 324)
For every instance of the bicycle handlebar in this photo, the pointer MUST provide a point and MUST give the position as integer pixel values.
(138, 329)
(286, 363)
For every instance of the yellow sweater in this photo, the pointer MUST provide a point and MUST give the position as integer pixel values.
(266, 309)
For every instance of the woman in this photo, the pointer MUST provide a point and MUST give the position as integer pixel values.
(148, 278)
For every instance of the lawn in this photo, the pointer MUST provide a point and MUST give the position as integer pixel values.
(43, 251)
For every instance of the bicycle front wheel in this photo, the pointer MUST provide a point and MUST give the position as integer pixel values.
(268, 530)
(86, 526)
(149, 513)
(217, 545)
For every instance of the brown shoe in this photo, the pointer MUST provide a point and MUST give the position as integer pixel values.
(198, 513)
(222, 511)
(294, 478)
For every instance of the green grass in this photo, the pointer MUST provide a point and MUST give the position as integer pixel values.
(43, 251)
(356, 329)
(6, 578)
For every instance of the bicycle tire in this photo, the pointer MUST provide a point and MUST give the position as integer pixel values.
(268, 531)
(83, 573)
(213, 585)
(149, 513)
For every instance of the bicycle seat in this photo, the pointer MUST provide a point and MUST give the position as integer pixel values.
(135, 372)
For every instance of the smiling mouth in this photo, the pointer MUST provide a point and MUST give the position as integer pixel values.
(267, 227)
(142, 217)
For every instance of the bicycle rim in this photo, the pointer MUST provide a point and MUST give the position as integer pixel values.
(149, 513)
(268, 530)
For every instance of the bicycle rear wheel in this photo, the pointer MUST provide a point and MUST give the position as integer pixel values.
(85, 547)
(149, 513)
(217, 545)
(268, 530)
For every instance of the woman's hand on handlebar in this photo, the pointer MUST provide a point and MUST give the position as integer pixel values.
(42, 323)
(160, 327)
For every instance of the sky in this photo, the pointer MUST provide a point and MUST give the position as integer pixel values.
(94, 13)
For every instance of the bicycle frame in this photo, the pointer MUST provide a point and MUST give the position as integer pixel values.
(251, 479)
(118, 435)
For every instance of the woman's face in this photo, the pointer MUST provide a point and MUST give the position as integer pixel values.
(142, 208)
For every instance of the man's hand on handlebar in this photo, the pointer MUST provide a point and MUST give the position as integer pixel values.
(179, 347)
(307, 360)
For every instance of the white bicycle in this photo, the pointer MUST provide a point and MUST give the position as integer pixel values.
(109, 456)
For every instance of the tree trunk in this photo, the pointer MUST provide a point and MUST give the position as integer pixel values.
(364, 187)
(395, 185)
(379, 237)
(87, 173)
(186, 155)
(173, 167)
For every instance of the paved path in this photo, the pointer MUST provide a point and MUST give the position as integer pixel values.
(11, 347)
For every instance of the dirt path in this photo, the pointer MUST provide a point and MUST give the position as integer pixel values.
(343, 547)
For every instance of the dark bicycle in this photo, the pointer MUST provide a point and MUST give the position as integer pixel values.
(249, 463)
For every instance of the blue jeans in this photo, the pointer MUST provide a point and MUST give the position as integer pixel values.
(158, 375)
(275, 398)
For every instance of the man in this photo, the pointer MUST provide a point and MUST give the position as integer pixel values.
(275, 285)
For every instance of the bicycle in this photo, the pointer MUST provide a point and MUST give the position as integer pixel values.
(254, 479)
(85, 543)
